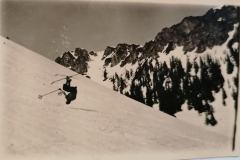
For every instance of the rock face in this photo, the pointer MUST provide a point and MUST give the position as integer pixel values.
(187, 63)
(123, 54)
(76, 60)
(199, 32)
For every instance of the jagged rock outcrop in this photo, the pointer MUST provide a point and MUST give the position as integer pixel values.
(200, 32)
(76, 60)
(93, 53)
(123, 54)
(67, 59)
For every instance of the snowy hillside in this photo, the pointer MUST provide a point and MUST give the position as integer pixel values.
(190, 68)
(99, 124)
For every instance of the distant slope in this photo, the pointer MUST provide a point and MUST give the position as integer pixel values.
(99, 124)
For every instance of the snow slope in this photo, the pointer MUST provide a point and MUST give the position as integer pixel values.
(99, 124)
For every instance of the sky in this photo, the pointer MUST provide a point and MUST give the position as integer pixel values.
(52, 28)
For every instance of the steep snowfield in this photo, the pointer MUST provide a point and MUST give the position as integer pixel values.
(99, 124)
(95, 68)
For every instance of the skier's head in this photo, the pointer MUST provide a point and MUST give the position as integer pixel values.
(68, 102)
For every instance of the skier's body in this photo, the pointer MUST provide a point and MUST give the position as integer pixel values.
(73, 91)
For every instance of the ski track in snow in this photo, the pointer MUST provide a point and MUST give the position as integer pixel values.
(99, 124)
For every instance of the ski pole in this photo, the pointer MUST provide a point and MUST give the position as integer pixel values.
(60, 75)
(64, 78)
(40, 96)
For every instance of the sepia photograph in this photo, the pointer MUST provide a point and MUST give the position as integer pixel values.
(119, 80)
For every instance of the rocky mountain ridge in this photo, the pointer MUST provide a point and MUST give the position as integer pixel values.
(187, 63)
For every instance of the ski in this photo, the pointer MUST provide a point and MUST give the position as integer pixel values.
(64, 78)
(63, 75)
(41, 96)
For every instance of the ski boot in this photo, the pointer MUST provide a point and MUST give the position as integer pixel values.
(68, 80)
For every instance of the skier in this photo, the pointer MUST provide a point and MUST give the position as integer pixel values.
(73, 91)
